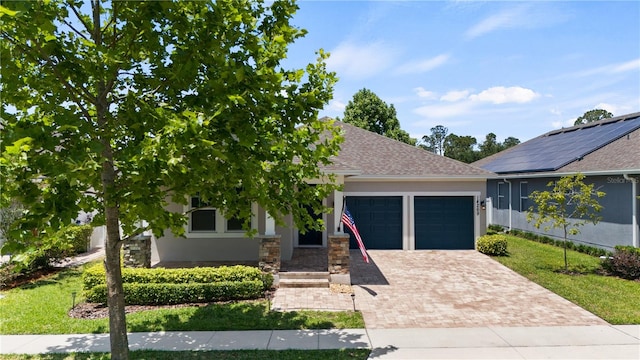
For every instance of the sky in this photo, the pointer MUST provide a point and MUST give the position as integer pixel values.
(512, 68)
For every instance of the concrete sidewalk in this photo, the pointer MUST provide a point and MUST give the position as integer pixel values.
(555, 342)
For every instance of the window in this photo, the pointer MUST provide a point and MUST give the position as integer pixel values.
(207, 220)
(502, 199)
(524, 196)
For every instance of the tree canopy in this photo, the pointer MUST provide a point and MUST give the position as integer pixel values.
(463, 148)
(593, 115)
(367, 111)
(435, 142)
(119, 108)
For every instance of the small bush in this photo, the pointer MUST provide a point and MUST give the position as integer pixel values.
(495, 245)
(625, 262)
(167, 294)
(78, 237)
(496, 228)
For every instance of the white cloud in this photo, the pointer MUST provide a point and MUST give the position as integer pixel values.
(563, 124)
(360, 61)
(523, 16)
(633, 65)
(502, 95)
(336, 105)
(609, 107)
(423, 93)
(444, 111)
(422, 66)
(504, 19)
(455, 95)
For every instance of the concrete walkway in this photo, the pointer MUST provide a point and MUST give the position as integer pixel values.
(560, 342)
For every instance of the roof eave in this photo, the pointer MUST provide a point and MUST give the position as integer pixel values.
(421, 178)
(565, 173)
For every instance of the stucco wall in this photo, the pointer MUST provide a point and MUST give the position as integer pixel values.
(613, 229)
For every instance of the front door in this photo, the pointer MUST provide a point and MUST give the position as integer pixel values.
(311, 237)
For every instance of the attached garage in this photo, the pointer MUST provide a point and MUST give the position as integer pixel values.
(379, 221)
(444, 222)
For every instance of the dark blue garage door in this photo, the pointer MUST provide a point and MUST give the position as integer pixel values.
(378, 219)
(444, 222)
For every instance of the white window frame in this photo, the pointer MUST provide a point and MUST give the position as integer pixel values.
(221, 224)
(501, 196)
(524, 198)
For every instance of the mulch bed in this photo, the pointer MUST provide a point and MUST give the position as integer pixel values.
(99, 311)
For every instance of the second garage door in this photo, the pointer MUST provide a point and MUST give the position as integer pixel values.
(378, 219)
(444, 222)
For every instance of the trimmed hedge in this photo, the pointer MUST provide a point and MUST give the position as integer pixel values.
(495, 245)
(168, 294)
(162, 286)
(585, 249)
(625, 262)
(95, 275)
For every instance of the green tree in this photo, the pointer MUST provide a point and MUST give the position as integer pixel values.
(593, 115)
(366, 110)
(490, 146)
(461, 148)
(122, 107)
(568, 205)
(510, 142)
(436, 141)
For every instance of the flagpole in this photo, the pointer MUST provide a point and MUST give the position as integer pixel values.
(344, 198)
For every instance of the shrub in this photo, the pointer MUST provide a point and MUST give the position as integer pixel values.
(77, 236)
(496, 228)
(161, 294)
(493, 245)
(94, 275)
(583, 248)
(175, 286)
(625, 262)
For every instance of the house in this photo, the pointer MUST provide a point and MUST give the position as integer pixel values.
(606, 151)
(401, 197)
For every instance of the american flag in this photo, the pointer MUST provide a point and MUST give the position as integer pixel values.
(347, 219)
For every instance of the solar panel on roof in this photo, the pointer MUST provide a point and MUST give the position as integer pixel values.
(559, 148)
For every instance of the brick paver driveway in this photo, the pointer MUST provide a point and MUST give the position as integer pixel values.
(429, 289)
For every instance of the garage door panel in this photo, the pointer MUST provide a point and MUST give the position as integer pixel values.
(444, 222)
(379, 221)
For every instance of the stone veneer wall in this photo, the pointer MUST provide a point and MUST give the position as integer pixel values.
(338, 254)
(269, 254)
(137, 252)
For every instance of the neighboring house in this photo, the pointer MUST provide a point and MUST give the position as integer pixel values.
(401, 197)
(606, 151)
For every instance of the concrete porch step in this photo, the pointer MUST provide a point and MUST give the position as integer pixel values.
(304, 279)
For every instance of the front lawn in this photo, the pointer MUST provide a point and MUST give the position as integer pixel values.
(613, 299)
(42, 307)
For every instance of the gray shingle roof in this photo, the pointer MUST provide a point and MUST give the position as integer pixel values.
(622, 154)
(369, 154)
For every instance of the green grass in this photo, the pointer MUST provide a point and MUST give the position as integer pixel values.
(351, 354)
(41, 308)
(613, 299)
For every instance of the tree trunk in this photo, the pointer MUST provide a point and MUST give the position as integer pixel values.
(115, 292)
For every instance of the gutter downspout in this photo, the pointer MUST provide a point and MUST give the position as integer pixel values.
(510, 197)
(634, 208)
